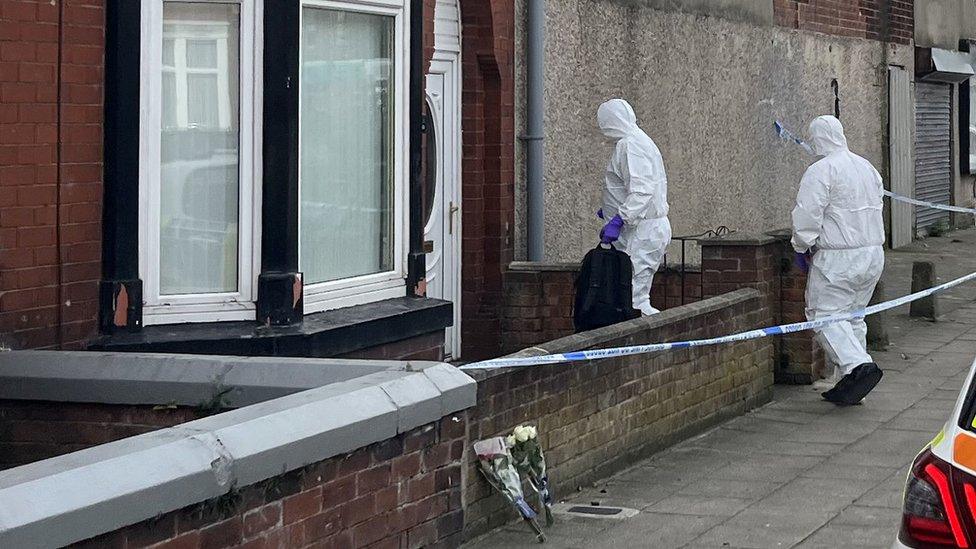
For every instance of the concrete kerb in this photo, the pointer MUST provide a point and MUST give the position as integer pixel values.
(77, 496)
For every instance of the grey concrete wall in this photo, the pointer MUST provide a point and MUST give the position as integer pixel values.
(943, 23)
(707, 90)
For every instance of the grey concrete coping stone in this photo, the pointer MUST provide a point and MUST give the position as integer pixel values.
(568, 267)
(157, 378)
(539, 266)
(602, 337)
(77, 496)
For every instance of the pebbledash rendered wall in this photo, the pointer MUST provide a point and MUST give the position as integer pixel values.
(707, 80)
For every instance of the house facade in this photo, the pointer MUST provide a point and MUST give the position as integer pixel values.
(308, 178)
(347, 177)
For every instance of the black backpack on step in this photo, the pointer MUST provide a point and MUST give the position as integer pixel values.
(603, 289)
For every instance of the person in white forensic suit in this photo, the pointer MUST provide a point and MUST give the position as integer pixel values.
(635, 198)
(838, 234)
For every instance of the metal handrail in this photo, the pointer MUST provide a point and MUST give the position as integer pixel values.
(721, 230)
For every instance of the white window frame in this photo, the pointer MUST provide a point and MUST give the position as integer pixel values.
(208, 307)
(359, 290)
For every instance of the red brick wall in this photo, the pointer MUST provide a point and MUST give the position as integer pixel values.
(854, 18)
(538, 307)
(424, 347)
(32, 430)
(538, 302)
(488, 168)
(598, 417)
(766, 264)
(51, 74)
(404, 492)
(666, 291)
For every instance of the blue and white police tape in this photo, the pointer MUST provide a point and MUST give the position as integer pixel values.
(597, 354)
(787, 135)
(934, 205)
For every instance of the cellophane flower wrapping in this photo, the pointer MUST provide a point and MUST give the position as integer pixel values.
(530, 460)
(496, 463)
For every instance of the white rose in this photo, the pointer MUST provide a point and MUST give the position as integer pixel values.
(510, 440)
(521, 433)
(532, 432)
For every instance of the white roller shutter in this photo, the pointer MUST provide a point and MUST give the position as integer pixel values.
(933, 157)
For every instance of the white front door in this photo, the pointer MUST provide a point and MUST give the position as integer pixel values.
(442, 229)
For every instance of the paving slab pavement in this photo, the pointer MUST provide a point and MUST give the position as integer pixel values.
(798, 472)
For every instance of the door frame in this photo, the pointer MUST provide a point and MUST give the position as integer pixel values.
(448, 63)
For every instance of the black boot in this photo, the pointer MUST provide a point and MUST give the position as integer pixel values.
(855, 386)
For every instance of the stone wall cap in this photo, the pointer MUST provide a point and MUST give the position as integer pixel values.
(185, 380)
(540, 266)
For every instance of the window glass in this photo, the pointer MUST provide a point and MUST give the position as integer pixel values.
(430, 167)
(199, 146)
(346, 155)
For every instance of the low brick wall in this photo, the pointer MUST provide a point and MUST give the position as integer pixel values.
(539, 300)
(598, 417)
(666, 292)
(33, 430)
(538, 303)
(323, 453)
(539, 297)
(402, 492)
(766, 263)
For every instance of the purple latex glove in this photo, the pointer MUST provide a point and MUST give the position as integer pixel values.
(599, 213)
(803, 261)
(611, 231)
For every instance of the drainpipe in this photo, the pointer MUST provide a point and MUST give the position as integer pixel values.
(534, 154)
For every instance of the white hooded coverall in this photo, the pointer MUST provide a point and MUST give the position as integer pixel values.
(636, 189)
(838, 214)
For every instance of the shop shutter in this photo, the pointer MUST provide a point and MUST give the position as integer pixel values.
(933, 165)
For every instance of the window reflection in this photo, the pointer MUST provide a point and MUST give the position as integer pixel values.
(199, 180)
(346, 144)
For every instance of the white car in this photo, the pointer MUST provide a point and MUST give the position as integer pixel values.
(940, 496)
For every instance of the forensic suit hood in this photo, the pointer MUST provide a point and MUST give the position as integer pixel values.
(616, 119)
(636, 189)
(827, 135)
(839, 205)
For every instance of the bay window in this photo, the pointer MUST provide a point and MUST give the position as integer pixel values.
(200, 154)
(351, 175)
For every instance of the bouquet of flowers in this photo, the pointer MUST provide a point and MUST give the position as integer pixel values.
(496, 463)
(527, 453)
